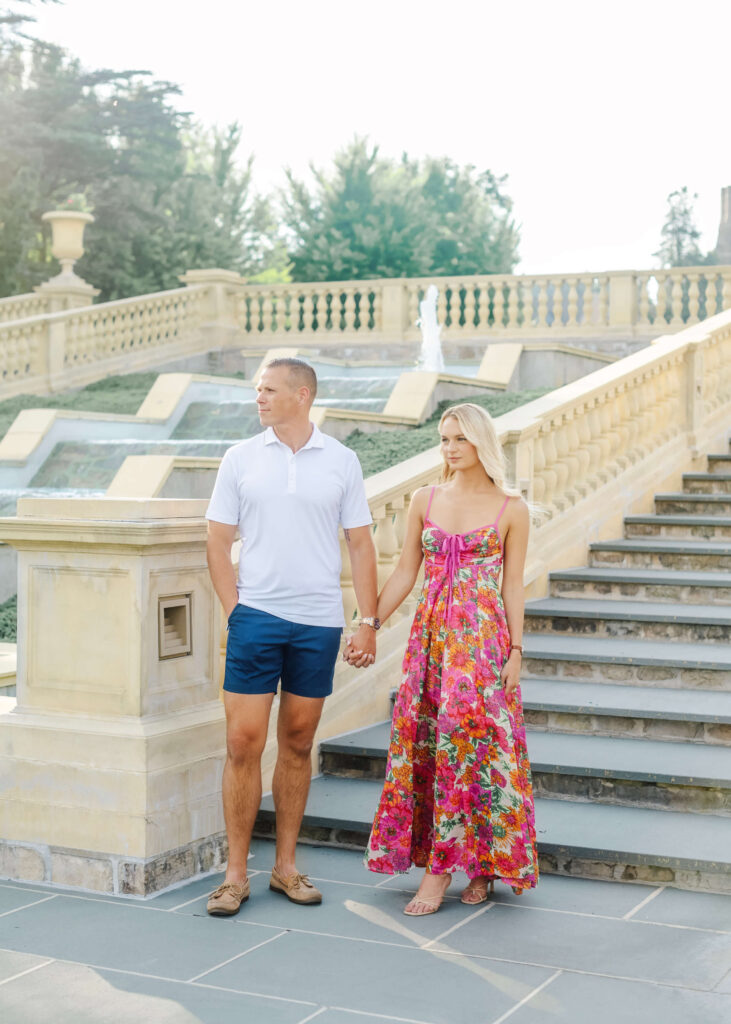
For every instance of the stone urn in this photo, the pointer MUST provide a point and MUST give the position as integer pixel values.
(68, 238)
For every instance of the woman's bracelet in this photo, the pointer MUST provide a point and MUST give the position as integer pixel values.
(516, 647)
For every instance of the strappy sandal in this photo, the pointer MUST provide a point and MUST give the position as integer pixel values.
(432, 902)
(480, 896)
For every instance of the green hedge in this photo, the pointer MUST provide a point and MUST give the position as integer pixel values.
(385, 449)
(123, 394)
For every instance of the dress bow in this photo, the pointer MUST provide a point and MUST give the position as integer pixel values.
(452, 547)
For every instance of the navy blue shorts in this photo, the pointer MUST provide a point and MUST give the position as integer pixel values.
(262, 649)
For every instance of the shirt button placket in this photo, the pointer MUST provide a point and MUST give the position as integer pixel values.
(291, 475)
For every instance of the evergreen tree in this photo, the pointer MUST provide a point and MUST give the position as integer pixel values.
(679, 234)
(371, 217)
(167, 197)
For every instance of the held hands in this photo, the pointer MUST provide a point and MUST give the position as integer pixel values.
(510, 675)
(360, 648)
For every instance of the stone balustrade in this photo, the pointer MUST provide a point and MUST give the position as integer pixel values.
(558, 305)
(71, 348)
(43, 350)
(20, 307)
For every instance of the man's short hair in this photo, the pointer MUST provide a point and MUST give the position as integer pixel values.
(300, 373)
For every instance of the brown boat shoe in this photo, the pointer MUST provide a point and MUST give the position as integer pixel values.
(227, 898)
(297, 888)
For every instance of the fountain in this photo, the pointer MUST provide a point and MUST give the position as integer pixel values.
(430, 355)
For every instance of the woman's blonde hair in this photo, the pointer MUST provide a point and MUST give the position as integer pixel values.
(477, 426)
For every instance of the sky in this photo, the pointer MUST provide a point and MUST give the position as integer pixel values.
(596, 110)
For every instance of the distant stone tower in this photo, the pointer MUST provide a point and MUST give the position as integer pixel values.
(723, 246)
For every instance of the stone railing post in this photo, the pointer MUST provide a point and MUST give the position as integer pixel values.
(394, 310)
(220, 307)
(111, 761)
(622, 299)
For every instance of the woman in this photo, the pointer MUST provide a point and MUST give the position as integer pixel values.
(458, 790)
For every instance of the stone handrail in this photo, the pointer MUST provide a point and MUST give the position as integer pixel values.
(588, 453)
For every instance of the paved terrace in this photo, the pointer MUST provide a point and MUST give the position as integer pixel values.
(572, 951)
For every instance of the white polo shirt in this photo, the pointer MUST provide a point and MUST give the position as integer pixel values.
(288, 507)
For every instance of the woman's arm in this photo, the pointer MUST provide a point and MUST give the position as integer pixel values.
(515, 547)
(401, 581)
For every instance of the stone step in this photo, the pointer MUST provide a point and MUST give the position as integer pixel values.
(707, 483)
(642, 584)
(694, 527)
(585, 840)
(719, 464)
(636, 772)
(662, 553)
(674, 666)
(648, 712)
(679, 503)
(642, 620)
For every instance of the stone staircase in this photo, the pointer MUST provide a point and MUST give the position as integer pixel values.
(627, 696)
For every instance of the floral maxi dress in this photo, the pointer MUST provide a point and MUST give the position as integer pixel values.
(458, 792)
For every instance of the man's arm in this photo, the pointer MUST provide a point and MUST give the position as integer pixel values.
(365, 583)
(223, 575)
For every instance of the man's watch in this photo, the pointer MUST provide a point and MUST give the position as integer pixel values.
(373, 621)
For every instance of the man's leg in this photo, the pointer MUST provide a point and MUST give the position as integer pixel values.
(247, 720)
(298, 720)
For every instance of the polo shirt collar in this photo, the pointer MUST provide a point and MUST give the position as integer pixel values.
(316, 438)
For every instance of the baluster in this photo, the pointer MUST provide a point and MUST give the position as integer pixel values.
(675, 300)
(349, 313)
(387, 545)
(550, 474)
(442, 305)
(585, 451)
(350, 604)
(604, 301)
(542, 320)
(562, 498)
(693, 297)
(513, 284)
(413, 304)
(726, 292)
(469, 308)
(557, 303)
(267, 313)
(643, 304)
(573, 303)
(526, 298)
(539, 466)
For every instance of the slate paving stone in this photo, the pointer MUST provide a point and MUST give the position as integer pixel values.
(694, 909)
(318, 862)
(65, 993)
(646, 952)
(126, 937)
(13, 899)
(577, 998)
(14, 963)
(341, 1016)
(553, 892)
(725, 985)
(374, 914)
(376, 978)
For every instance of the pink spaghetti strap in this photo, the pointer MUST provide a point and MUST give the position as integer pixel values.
(431, 498)
(501, 511)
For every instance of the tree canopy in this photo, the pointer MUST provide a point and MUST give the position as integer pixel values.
(679, 234)
(167, 196)
(371, 217)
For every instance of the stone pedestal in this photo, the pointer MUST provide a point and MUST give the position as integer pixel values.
(111, 761)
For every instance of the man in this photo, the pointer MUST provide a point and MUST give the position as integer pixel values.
(287, 491)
